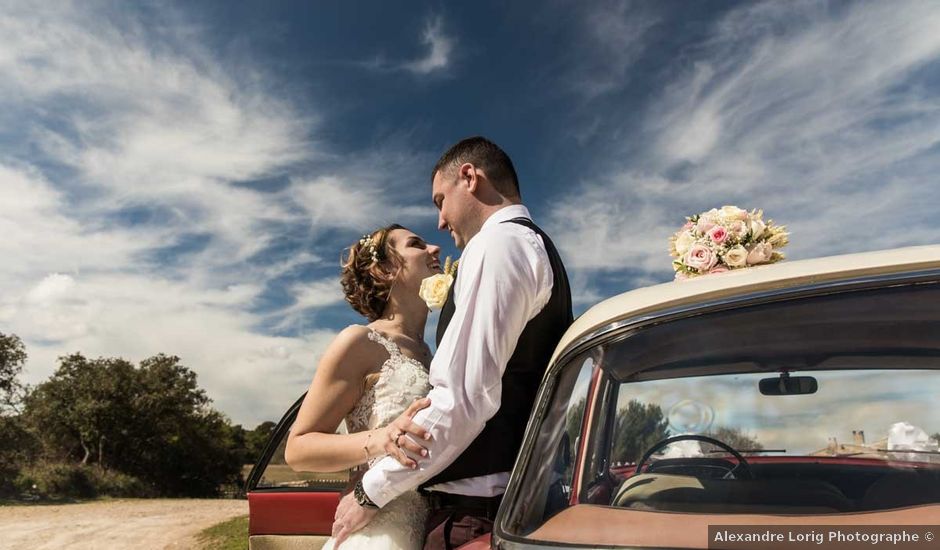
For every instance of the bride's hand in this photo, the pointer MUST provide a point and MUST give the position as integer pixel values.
(401, 433)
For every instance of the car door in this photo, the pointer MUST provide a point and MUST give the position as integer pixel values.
(289, 509)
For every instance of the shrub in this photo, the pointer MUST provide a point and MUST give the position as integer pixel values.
(19, 447)
(117, 484)
(57, 480)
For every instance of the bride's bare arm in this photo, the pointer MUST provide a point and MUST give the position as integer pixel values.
(337, 385)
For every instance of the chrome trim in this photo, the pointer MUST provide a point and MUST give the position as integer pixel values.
(621, 327)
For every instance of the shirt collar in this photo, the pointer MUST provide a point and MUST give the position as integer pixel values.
(506, 213)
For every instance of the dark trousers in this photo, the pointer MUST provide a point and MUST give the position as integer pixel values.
(456, 520)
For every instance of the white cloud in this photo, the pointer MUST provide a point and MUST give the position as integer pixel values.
(318, 294)
(41, 236)
(437, 58)
(309, 297)
(52, 288)
(820, 116)
(439, 51)
(356, 204)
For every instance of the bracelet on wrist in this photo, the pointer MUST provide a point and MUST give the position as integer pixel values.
(365, 447)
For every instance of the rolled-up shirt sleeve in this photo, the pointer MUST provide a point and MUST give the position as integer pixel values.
(501, 285)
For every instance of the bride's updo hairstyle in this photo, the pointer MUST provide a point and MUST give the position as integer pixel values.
(368, 273)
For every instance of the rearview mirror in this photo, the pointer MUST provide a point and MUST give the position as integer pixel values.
(788, 385)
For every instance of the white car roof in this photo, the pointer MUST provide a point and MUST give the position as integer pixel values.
(744, 281)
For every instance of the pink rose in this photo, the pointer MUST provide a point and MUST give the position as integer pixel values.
(700, 258)
(718, 234)
(717, 269)
(759, 253)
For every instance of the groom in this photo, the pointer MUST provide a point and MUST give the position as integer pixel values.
(506, 311)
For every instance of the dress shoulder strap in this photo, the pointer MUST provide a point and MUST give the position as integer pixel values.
(390, 347)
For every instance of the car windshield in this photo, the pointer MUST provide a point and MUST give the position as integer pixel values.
(805, 406)
(895, 405)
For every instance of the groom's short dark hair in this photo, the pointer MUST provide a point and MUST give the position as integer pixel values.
(485, 154)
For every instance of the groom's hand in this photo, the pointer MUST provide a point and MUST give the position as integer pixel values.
(350, 517)
(401, 433)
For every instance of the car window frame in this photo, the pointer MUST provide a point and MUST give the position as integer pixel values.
(277, 435)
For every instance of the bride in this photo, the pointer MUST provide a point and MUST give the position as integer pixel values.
(374, 376)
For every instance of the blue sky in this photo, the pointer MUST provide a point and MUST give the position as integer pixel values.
(182, 177)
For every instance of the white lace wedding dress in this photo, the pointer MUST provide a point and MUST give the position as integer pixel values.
(399, 524)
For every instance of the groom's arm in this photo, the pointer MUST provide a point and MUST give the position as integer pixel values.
(504, 280)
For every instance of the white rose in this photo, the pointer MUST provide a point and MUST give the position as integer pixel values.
(736, 256)
(757, 227)
(731, 213)
(434, 290)
(759, 253)
(684, 242)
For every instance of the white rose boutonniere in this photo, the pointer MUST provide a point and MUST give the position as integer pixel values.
(434, 289)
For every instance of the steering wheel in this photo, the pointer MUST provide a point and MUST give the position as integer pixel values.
(743, 466)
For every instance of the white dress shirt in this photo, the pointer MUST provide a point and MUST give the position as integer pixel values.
(504, 280)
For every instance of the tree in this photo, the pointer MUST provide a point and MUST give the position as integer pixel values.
(18, 446)
(83, 408)
(256, 439)
(735, 438)
(151, 421)
(182, 445)
(637, 428)
(12, 358)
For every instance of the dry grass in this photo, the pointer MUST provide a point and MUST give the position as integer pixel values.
(283, 475)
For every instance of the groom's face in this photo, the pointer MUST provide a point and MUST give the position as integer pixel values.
(453, 206)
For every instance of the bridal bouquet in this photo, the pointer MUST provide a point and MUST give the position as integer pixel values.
(724, 239)
(434, 289)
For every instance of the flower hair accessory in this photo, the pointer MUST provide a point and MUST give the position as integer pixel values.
(434, 289)
(723, 239)
(368, 242)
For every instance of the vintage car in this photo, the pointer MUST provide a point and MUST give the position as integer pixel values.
(801, 393)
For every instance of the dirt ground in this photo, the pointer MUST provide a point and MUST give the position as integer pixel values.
(135, 524)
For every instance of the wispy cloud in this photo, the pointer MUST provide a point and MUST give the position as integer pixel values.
(145, 122)
(439, 49)
(358, 202)
(308, 298)
(436, 59)
(615, 36)
(819, 115)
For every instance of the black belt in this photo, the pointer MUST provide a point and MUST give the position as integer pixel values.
(477, 506)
